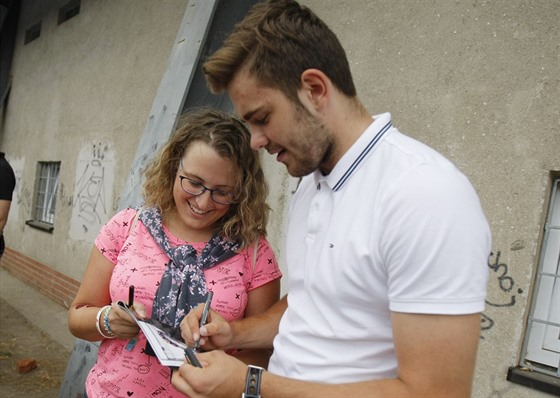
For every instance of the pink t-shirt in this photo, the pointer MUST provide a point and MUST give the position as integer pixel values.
(122, 371)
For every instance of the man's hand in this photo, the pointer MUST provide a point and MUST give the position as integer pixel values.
(217, 333)
(221, 376)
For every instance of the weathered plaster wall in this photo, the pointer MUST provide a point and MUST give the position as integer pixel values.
(479, 81)
(81, 95)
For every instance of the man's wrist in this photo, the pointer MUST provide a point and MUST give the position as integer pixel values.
(253, 382)
(233, 343)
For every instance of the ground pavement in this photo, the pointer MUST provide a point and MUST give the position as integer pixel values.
(31, 326)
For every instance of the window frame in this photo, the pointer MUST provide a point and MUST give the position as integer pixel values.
(69, 11)
(44, 197)
(32, 33)
(536, 366)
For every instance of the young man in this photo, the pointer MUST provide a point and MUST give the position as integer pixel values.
(386, 244)
(7, 186)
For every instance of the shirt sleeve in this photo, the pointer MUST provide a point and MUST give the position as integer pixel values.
(114, 233)
(266, 267)
(437, 247)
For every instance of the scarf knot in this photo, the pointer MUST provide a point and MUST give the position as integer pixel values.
(183, 285)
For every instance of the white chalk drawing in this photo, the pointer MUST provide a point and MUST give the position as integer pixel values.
(22, 196)
(93, 191)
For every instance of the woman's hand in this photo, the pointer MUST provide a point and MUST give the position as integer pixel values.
(122, 325)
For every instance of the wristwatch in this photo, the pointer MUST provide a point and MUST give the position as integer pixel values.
(253, 383)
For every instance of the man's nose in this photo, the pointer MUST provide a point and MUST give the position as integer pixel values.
(258, 139)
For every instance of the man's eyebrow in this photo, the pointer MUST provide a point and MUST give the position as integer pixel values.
(247, 116)
(238, 116)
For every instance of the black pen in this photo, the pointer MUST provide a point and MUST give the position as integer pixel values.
(130, 296)
(204, 317)
(190, 355)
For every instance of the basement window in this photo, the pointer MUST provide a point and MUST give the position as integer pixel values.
(32, 33)
(540, 354)
(44, 200)
(70, 10)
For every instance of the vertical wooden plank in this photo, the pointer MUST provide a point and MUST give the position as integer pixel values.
(171, 93)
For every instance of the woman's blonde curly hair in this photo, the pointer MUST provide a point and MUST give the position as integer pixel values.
(247, 218)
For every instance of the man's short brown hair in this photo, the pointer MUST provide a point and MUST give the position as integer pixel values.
(277, 41)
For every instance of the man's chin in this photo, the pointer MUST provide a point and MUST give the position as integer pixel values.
(298, 171)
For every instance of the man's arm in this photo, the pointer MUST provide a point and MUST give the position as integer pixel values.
(4, 210)
(256, 331)
(436, 358)
(259, 331)
(260, 300)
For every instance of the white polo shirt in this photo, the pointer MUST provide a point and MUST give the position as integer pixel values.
(394, 227)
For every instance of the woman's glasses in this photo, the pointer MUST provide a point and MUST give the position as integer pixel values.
(195, 188)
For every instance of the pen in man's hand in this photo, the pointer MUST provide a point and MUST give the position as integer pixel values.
(204, 318)
(130, 296)
(189, 354)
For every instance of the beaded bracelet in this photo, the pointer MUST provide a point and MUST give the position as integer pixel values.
(111, 336)
(106, 323)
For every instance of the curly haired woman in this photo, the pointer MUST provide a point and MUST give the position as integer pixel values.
(202, 228)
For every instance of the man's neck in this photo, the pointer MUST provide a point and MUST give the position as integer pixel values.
(348, 124)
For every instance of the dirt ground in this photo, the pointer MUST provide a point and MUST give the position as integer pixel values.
(19, 339)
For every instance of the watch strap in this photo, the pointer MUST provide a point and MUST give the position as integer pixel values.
(253, 383)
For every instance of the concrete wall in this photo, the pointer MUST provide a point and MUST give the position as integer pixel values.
(478, 81)
(81, 94)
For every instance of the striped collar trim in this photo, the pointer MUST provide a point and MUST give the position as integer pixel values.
(369, 147)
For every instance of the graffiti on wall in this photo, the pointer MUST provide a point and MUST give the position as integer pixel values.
(507, 291)
(93, 191)
(22, 197)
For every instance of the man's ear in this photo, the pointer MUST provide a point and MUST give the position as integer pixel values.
(315, 88)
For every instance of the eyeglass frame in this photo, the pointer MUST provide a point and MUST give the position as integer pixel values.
(204, 188)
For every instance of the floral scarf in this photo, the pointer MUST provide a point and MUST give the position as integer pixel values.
(182, 286)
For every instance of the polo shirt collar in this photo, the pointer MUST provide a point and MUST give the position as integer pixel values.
(357, 153)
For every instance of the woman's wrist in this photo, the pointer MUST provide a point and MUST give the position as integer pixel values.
(102, 322)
